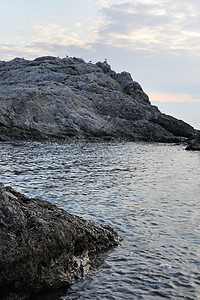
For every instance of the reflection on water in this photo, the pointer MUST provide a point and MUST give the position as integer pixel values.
(148, 192)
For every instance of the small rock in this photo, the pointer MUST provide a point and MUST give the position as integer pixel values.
(194, 144)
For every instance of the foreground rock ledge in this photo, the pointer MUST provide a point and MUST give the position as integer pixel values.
(44, 247)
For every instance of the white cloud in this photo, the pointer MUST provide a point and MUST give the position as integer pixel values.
(49, 31)
(149, 25)
(152, 25)
(79, 24)
(49, 39)
(155, 40)
(103, 3)
(167, 97)
(52, 35)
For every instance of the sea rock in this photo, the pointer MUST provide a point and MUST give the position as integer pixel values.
(194, 144)
(58, 98)
(44, 247)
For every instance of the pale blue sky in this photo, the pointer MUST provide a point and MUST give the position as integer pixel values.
(157, 41)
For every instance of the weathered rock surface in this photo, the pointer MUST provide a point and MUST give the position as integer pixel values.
(51, 97)
(194, 144)
(44, 247)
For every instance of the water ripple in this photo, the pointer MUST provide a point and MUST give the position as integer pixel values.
(148, 192)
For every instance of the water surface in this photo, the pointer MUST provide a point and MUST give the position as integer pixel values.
(148, 192)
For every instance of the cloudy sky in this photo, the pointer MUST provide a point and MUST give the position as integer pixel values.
(157, 41)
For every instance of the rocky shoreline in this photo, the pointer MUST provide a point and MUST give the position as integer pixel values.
(194, 144)
(43, 247)
(54, 98)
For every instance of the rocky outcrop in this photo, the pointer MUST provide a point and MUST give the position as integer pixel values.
(194, 144)
(43, 247)
(51, 97)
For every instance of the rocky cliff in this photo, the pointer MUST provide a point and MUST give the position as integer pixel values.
(43, 247)
(51, 97)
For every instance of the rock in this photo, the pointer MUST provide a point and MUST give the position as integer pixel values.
(131, 87)
(49, 98)
(194, 144)
(43, 247)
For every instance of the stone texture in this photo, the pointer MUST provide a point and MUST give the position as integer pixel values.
(43, 247)
(50, 98)
(194, 144)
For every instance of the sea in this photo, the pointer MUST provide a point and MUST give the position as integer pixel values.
(148, 192)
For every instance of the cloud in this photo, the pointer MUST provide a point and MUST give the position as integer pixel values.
(167, 97)
(79, 24)
(55, 34)
(8, 52)
(157, 41)
(148, 25)
(152, 25)
(49, 31)
(49, 39)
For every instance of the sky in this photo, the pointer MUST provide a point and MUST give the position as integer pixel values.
(157, 41)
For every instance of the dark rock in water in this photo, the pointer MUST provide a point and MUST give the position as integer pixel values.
(194, 144)
(43, 247)
(58, 98)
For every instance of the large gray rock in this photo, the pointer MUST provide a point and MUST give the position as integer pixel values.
(43, 247)
(51, 97)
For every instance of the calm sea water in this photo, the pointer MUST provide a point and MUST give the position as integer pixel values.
(148, 192)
